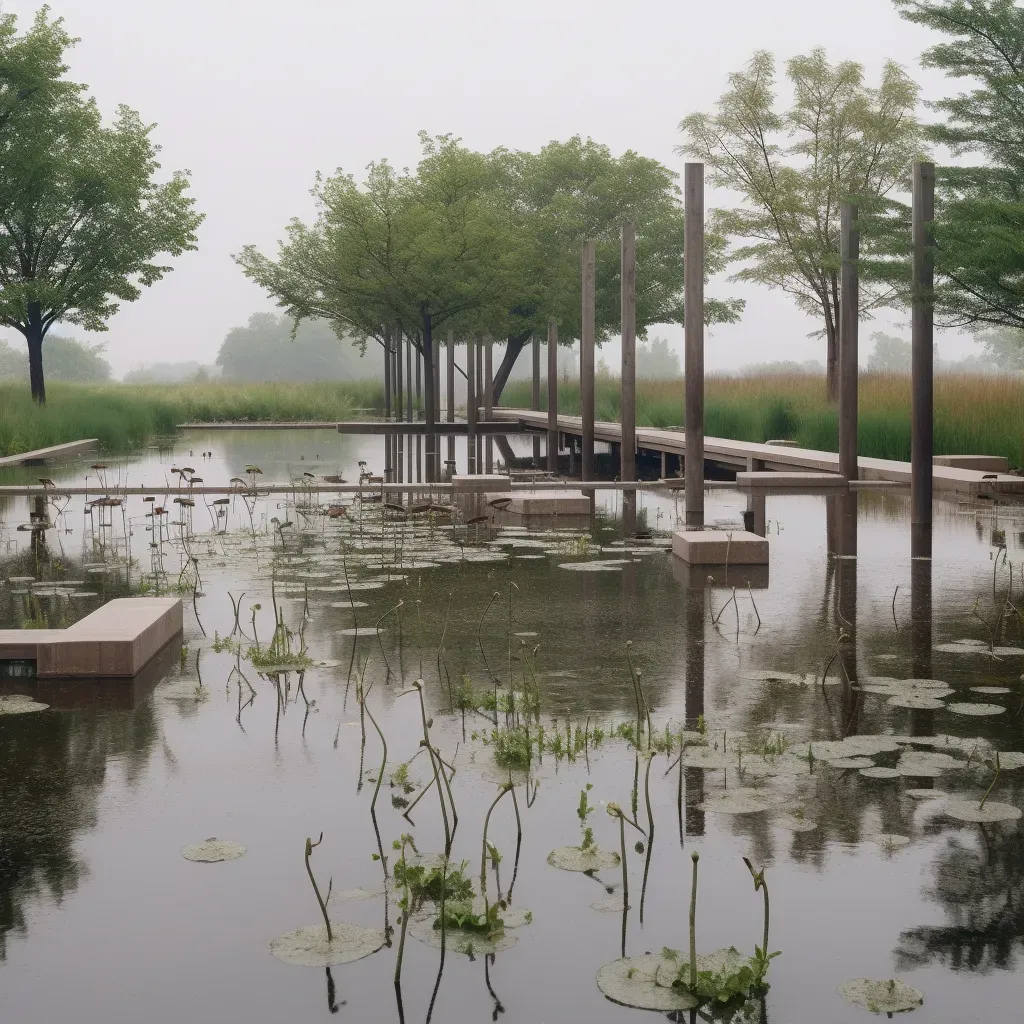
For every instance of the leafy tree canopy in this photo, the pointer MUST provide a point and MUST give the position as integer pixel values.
(82, 218)
(839, 139)
(979, 229)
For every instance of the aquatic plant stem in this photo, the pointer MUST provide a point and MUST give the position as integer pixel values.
(995, 779)
(760, 883)
(519, 840)
(310, 845)
(380, 777)
(625, 881)
(694, 856)
(650, 834)
(418, 686)
(483, 849)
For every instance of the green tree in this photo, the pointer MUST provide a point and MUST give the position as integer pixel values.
(655, 360)
(401, 251)
(82, 218)
(840, 139)
(571, 192)
(979, 229)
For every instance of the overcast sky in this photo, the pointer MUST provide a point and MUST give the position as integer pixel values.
(255, 97)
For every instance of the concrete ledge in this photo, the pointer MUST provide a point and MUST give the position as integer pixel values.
(481, 483)
(720, 547)
(544, 503)
(783, 479)
(57, 451)
(115, 641)
(980, 463)
(700, 576)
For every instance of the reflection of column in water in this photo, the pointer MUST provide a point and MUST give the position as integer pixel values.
(450, 396)
(696, 615)
(629, 502)
(921, 722)
(846, 603)
(754, 518)
(39, 516)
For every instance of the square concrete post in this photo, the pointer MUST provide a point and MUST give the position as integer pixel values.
(471, 406)
(922, 362)
(418, 361)
(399, 406)
(488, 401)
(693, 326)
(849, 317)
(450, 388)
(627, 458)
(552, 397)
(587, 360)
(535, 344)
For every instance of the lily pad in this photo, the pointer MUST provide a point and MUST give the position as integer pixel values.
(890, 996)
(573, 858)
(737, 801)
(595, 566)
(850, 762)
(212, 851)
(880, 773)
(632, 981)
(975, 709)
(916, 701)
(355, 895)
(890, 841)
(769, 676)
(991, 690)
(925, 764)
(968, 810)
(458, 941)
(716, 962)
(309, 947)
(1010, 760)
(19, 704)
(608, 905)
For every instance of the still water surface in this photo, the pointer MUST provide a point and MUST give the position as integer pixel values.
(102, 920)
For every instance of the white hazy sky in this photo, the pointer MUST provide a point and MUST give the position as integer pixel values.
(255, 97)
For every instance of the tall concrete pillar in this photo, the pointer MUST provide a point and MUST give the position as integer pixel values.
(693, 325)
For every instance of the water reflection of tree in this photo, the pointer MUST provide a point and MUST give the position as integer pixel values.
(980, 886)
(52, 768)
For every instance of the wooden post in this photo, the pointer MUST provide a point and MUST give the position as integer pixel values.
(922, 363)
(552, 397)
(627, 459)
(693, 326)
(471, 406)
(849, 326)
(536, 398)
(488, 401)
(587, 361)
(450, 386)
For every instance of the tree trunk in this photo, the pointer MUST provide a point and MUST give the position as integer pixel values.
(34, 336)
(831, 305)
(515, 344)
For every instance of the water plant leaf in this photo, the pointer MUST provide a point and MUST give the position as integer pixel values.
(457, 940)
(892, 996)
(975, 709)
(574, 858)
(991, 690)
(632, 981)
(737, 801)
(310, 947)
(19, 704)
(968, 810)
(608, 905)
(925, 764)
(880, 773)
(850, 762)
(213, 851)
(890, 842)
(916, 702)
(769, 676)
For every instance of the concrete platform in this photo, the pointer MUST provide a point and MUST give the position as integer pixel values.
(720, 547)
(543, 503)
(727, 576)
(115, 641)
(980, 463)
(768, 478)
(481, 483)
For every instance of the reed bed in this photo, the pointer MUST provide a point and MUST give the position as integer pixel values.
(125, 417)
(975, 414)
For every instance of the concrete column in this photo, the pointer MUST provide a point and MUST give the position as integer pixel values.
(628, 317)
(849, 325)
(471, 400)
(387, 402)
(450, 387)
(922, 363)
(488, 401)
(418, 413)
(408, 380)
(693, 325)
(552, 397)
(587, 360)
(399, 405)
(535, 345)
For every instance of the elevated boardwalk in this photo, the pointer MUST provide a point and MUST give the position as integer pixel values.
(57, 451)
(117, 640)
(748, 456)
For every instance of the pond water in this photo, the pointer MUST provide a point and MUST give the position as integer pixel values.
(871, 875)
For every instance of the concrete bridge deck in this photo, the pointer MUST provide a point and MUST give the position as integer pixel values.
(750, 456)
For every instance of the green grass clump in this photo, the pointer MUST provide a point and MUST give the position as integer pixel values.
(126, 417)
(975, 414)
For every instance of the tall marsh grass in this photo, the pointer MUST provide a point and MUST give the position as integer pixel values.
(125, 417)
(975, 414)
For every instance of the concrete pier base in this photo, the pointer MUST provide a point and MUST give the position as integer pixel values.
(544, 503)
(768, 478)
(720, 547)
(481, 483)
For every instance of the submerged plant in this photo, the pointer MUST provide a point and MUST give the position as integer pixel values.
(310, 846)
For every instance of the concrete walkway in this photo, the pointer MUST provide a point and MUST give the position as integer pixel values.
(57, 451)
(750, 456)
